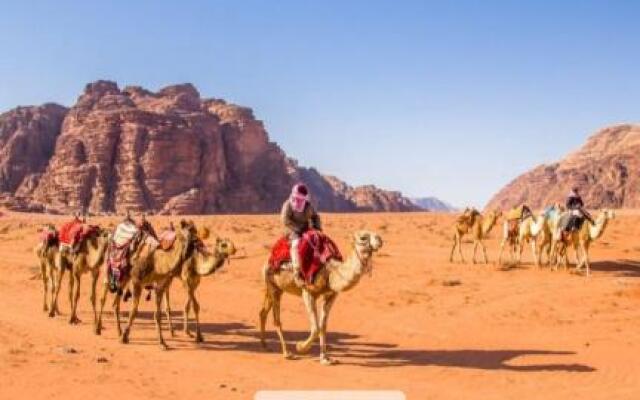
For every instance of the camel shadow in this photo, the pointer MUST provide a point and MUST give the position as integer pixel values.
(353, 351)
(621, 268)
(474, 359)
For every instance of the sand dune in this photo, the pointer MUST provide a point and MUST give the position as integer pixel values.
(418, 324)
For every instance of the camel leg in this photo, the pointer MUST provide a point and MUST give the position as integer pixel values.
(92, 296)
(501, 251)
(103, 299)
(196, 313)
(460, 250)
(453, 248)
(324, 316)
(187, 308)
(534, 251)
(277, 296)
(73, 319)
(116, 312)
(53, 310)
(585, 257)
(137, 292)
(267, 303)
(303, 347)
(484, 253)
(475, 249)
(519, 250)
(168, 310)
(45, 284)
(157, 315)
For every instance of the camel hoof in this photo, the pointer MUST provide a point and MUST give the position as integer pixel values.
(289, 356)
(124, 339)
(173, 334)
(188, 333)
(52, 314)
(74, 321)
(301, 348)
(164, 347)
(327, 361)
(199, 339)
(98, 331)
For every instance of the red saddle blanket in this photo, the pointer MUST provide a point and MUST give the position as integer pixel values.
(73, 232)
(314, 250)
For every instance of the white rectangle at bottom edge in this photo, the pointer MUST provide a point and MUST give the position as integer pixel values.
(330, 395)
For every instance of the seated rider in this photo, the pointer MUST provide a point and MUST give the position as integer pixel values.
(298, 216)
(575, 205)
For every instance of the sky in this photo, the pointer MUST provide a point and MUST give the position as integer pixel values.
(450, 99)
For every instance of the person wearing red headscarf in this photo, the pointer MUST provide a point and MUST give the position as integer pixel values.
(298, 216)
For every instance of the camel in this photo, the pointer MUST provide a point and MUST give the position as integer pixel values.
(537, 231)
(479, 226)
(47, 253)
(151, 267)
(333, 278)
(580, 240)
(88, 257)
(200, 264)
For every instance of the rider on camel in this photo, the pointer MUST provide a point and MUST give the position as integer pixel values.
(298, 216)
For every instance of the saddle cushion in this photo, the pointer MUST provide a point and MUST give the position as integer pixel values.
(70, 232)
(124, 233)
(167, 238)
(315, 249)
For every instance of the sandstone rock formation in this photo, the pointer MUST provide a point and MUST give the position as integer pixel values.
(169, 152)
(606, 169)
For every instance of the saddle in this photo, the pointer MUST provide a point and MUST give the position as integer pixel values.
(126, 240)
(167, 238)
(315, 249)
(73, 233)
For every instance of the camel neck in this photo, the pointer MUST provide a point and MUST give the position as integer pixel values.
(347, 274)
(208, 264)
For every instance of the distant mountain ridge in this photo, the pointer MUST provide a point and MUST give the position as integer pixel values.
(606, 169)
(168, 152)
(432, 204)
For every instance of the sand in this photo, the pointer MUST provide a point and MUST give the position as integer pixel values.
(419, 324)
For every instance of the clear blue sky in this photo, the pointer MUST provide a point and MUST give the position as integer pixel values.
(452, 100)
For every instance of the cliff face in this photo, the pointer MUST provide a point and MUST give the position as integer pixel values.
(169, 152)
(606, 169)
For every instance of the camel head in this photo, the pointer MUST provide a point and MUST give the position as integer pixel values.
(366, 242)
(609, 214)
(225, 248)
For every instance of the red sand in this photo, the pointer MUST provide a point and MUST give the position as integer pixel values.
(516, 333)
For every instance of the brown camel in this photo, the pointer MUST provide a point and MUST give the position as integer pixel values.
(580, 240)
(152, 267)
(47, 252)
(200, 264)
(478, 226)
(88, 256)
(335, 277)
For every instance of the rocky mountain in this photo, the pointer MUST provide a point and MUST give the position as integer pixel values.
(433, 204)
(169, 152)
(606, 169)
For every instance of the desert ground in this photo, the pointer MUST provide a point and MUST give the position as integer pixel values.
(418, 324)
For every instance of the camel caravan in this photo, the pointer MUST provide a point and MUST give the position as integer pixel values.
(133, 258)
(550, 233)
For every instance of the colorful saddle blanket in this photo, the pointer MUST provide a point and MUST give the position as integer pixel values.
(314, 250)
(126, 240)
